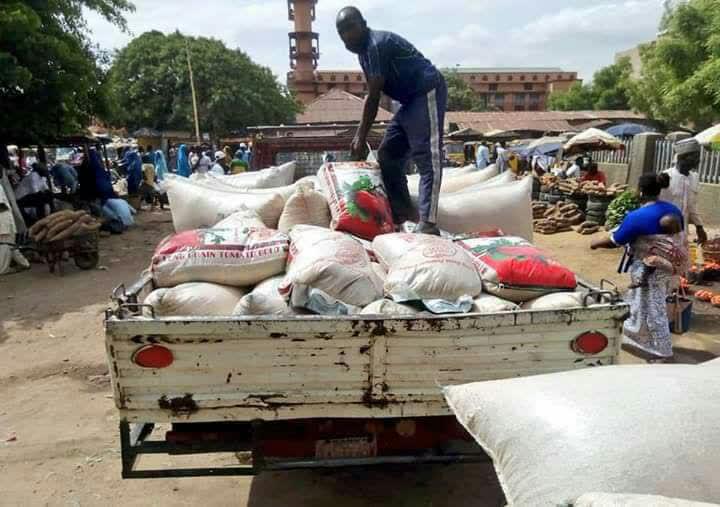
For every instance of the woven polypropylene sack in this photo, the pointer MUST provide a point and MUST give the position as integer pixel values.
(388, 307)
(559, 301)
(624, 500)
(507, 207)
(271, 177)
(241, 219)
(513, 269)
(264, 299)
(455, 179)
(499, 180)
(487, 303)
(305, 207)
(358, 201)
(332, 262)
(196, 207)
(429, 268)
(216, 183)
(648, 429)
(195, 300)
(237, 257)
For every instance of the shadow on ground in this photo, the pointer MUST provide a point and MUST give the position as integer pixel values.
(396, 486)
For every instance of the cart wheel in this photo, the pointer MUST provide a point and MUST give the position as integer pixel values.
(87, 260)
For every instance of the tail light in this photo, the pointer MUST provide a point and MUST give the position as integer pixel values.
(589, 343)
(153, 356)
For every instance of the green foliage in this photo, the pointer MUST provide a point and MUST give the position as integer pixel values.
(680, 70)
(578, 98)
(622, 205)
(50, 81)
(149, 86)
(609, 90)
(461, 96)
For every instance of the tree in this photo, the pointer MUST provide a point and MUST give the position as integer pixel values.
(149, 86)
(460, 96)
(680, 70)
(578, 98)
(609, 90)
(610, 86)
(50, 82)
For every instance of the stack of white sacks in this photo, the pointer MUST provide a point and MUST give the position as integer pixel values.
(257, 244)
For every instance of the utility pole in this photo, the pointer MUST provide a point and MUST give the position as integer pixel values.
(192, 89)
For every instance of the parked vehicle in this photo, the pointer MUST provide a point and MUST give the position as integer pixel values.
(317, 391)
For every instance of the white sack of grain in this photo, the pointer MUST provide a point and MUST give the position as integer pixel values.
(237, 257)
(279, 176)
(305, 207)
(499, 180)
(423, 267)
(242, 219)
(195, 300)
(196, 207)
(388, 307)
(506, 207)
(557, 301)
(647, 429)
(264, 299)
(332, 262)
(487, 303)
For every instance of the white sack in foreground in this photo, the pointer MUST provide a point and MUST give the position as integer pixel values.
(196, 207)
(623, 500)
(647, 429)
(507, 207)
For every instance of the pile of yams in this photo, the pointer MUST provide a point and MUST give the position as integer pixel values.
(708, 297)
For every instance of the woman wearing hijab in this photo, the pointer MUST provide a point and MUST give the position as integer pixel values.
(183, 163)
(160, 165)
(133, 162)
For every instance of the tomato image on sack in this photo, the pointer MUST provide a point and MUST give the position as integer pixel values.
(358, 201)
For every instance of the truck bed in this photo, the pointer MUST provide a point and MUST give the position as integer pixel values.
(280, 368)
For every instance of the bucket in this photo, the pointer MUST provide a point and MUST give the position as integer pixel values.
(679, 314)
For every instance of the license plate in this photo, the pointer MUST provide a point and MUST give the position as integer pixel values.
(362, 447)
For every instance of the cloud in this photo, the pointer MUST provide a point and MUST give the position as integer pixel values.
(574, 34)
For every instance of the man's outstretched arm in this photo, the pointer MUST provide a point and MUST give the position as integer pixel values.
(358, 149)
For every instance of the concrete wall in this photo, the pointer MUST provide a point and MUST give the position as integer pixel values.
(616, 173)
(708, 203)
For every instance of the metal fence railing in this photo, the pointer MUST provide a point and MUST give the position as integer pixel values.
(615, 157)
(708, 170)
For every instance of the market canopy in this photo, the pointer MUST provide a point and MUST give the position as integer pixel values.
(710, 137)
(628, 129)
(592, 140)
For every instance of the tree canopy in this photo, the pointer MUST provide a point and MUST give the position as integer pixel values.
(460, 96)
(149, 86)
(50, 81)
(680, 70)
(609, 90)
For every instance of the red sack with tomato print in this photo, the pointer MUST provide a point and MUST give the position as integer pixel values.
(358, 201)
(513, 269)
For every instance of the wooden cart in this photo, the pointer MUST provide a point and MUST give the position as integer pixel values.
(83, 249)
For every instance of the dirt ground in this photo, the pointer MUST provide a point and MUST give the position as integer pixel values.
(58, 425)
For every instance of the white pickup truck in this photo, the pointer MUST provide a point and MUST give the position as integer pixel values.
(318, 391)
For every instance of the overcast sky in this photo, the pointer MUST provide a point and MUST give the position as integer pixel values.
(577, 35)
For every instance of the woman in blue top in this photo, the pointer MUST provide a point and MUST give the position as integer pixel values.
(656, 255)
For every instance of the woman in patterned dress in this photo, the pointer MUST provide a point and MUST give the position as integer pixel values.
(655, 256)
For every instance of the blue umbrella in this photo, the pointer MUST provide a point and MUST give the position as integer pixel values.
(546, 149)
(628, 129)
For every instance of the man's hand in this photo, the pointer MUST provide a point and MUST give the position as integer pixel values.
(358, 149)
(701, 234)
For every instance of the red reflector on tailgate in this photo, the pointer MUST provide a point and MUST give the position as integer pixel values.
(153, 356)
(589, 343)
